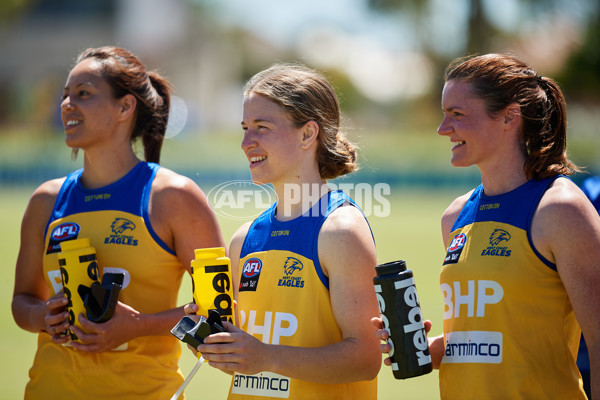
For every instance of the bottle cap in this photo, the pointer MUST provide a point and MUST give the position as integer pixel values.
(75, 244)
(210, 252)
(393, 267)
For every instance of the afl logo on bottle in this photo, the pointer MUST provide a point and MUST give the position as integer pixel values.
(250, 274)
(64, 231)
(455, 249)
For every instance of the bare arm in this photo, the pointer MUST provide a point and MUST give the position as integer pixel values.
(566, 230)
(31, 307)
(182, 217)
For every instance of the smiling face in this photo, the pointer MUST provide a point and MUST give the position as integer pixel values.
(271, 141)
(476, 136)
(89, 111)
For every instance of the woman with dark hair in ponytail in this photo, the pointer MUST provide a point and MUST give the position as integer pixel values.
(144, 222)
(520, 278)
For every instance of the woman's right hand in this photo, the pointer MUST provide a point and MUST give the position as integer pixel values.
(384, 334)
(56, 318)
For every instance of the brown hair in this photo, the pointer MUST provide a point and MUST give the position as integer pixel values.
(501, 80)
(127, 75)
(306, 96)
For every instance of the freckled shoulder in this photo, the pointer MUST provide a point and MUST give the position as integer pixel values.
(451, 214)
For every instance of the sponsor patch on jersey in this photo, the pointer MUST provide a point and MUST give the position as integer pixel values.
(291, 277)
(497, 238)
(250, 274)
(119, 228)
(473, 347)
(62, 232)
(264, 384)
(455, 249)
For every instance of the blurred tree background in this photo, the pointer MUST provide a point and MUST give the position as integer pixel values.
(385, 57)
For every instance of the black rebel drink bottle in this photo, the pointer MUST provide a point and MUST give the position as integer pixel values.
(401, 315)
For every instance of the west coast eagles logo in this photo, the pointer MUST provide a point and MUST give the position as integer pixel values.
(497, 237)
(290, 266)
(118, 227)
(121, 225)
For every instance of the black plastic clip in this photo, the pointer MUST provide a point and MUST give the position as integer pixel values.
(100, 300)
(193, 333)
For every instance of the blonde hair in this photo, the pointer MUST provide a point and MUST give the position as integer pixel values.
(306, 95)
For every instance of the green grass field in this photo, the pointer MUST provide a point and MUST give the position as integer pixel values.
(411, 232)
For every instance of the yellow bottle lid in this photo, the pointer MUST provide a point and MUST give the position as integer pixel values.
(209, 252)
(75, 244)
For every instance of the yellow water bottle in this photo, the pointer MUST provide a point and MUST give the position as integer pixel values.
(211, 282)
(78, 266)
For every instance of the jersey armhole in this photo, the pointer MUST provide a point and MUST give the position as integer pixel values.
(146, 216)
(340, 202)
(543, 259)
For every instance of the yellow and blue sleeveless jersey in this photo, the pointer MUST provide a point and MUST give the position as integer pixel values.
(284, 299)
(115, 219)
(509, 328)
